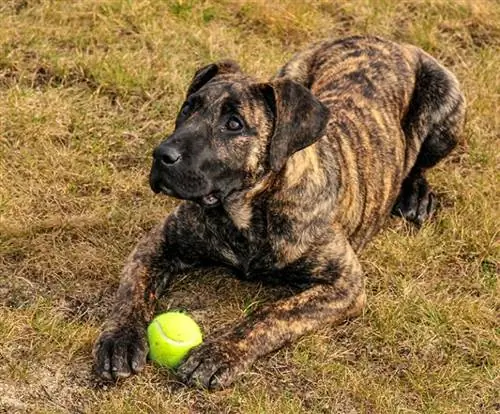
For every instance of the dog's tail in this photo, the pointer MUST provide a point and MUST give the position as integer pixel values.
(435, 117)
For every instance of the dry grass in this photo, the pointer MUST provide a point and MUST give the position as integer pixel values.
(88, 87)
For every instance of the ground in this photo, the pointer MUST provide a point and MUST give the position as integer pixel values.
(87, 88)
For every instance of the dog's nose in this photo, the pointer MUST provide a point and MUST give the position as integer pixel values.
(167, 154)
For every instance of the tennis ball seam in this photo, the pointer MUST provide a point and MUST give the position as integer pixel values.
(170, 340)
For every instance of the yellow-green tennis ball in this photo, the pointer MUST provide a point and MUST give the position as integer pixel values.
(171, 336)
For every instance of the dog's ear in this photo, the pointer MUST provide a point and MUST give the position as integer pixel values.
(299, 119)
(206, 73)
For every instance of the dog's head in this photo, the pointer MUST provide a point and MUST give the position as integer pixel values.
(231, 131)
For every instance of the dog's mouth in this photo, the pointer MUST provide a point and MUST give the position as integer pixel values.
(210, 200)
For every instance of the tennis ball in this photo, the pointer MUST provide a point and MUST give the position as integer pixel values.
(171, 336)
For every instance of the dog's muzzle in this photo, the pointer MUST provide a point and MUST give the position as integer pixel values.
(166, 170)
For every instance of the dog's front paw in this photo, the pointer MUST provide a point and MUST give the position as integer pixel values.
(213, 365)
(120, 351)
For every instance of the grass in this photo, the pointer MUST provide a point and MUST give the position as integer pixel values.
(87, 88)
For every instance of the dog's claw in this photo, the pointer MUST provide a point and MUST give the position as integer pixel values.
(119, 352)
(416, 202)
(212, 366)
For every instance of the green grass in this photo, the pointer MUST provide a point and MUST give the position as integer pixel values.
(87, 88)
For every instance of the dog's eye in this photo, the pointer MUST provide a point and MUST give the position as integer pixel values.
(186, 108)
(234, 124)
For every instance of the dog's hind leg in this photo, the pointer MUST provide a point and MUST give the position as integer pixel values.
(432, 127)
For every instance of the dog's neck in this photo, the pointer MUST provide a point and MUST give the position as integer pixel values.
(240, 205)
(303, 165)
(301, 174)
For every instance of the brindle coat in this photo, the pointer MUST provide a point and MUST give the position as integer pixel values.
(286, 181)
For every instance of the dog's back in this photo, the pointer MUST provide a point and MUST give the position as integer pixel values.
(387, 102)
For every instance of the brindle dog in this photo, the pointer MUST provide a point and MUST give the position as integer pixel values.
(286, 181)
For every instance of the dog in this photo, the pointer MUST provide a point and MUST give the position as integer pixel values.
(285, 182)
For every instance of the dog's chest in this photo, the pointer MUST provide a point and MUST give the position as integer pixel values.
(250, 261)
(246, 251)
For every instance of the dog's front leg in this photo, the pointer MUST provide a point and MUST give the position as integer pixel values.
(121, 348)
(216, 363)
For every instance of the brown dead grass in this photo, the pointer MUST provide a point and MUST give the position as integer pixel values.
(86, 90)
